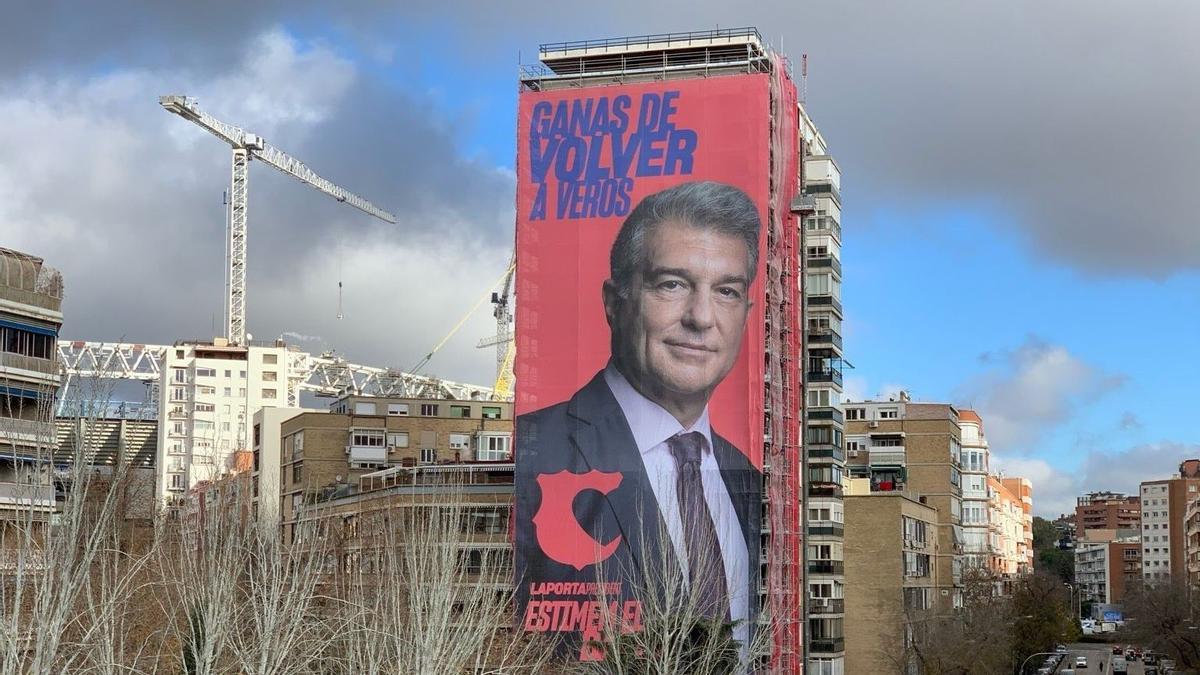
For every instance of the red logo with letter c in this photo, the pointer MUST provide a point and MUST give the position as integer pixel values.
(558, 532)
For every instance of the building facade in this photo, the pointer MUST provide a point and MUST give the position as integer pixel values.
(1022, 490)
(325, 453)
(208, 393)
(824, 420)
(1107, 511)
(1164, 539)
(1006, 531)
(265, 469)
(976, 504)
(30, 318)
(914, 448)
(1105, 570)
(1191, 529)
(890, 536)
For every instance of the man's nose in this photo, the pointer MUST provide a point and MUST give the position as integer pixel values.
(699, 314)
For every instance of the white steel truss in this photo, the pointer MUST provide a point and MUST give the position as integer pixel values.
(323, 375)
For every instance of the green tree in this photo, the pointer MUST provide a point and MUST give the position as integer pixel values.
(1045, 535)
(1042, 615)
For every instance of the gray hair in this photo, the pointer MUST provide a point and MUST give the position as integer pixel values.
(706, 205)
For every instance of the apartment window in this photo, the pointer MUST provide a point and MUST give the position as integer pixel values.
(270, 358)
(178, 394)
(889, 413)
(364, 408)
(224, 426)
(257, 435)
(270, 376)
(268, 393)
(397, 439)
(298, 445)
(227, 392)
(429, 409)
(228, 373)
(818, 514)
(460, 411)
(205, 407)
(206, 372)
(493, 448)
(372, 438)
(202, 425)
(242, 392)
(177, 428)
(206, 391)
(297, 472)
(397, 408)
(179, 353)
(178, 481)
(856, 413)
(175, 448)
(916, 564)
(428, 455)
(179, 375)
(242, 374)
(459, 441)
(491, 412)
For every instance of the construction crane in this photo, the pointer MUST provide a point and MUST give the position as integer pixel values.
(247, 146)
(503, 339)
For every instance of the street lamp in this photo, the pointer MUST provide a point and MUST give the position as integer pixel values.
(1079, 611)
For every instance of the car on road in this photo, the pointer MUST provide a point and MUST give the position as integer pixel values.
(1060, 649)
(1081, 662)
(1117, 649)
(1150, 659)
(1119, 665)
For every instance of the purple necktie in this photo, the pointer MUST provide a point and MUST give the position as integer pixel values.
(706, 567)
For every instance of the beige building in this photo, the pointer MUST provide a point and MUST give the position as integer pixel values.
(976, 461)
(1191, 528)
(1164, 514)
(1006, 530)
(914, 448)
(891, 567)
(325, 453)
(30, 318)
(265, 469)
(1022, 489)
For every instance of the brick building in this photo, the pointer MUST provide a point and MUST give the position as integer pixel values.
(1107, 511)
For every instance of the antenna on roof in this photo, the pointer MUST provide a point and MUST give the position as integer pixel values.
(804, 79)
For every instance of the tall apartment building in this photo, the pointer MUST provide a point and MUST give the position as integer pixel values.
(30, 318)
(914, 448)
(1022, 489)
(1006, 530)
(1107, 511)
(890, 537)
(1106, 567)
(1164, 538)
(208, 393)
(266, 460)
(976, 459)
(325, 453)
(1191, 529)
(824, 421)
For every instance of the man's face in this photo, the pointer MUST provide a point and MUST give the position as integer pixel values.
(678, 332)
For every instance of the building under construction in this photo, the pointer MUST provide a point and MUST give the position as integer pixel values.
(711, 62)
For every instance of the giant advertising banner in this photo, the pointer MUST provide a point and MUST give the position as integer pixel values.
(641, 241)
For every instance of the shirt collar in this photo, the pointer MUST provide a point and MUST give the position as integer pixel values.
(650, 423)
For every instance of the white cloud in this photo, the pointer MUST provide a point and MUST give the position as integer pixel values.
(1030, 390)
(1054, 490)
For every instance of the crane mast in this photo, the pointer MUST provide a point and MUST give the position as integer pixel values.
(247, 146)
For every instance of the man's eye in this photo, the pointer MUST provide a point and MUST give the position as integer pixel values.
(729, 292)
(670, 285)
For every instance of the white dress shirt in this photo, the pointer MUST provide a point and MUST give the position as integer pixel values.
(652, 425)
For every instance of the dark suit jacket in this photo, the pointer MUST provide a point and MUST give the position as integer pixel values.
(589, 432)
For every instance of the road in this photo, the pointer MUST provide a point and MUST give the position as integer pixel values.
(1098, 656)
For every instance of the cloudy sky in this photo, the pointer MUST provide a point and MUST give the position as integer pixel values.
(1019, 178)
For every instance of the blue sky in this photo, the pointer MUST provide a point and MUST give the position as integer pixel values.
(1019, 201)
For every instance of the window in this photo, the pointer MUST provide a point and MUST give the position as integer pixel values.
(224, 426)
(178, 481)
(491, 412)
(228, 373)
(205, 407)
(888, 413)
(178, 394)
(916, 564)
(397, 439)
(429, 409)
(242, 374)
(297, 472)
(176, 448)
(493, 448)
(371, 438)
(460, 411)
(298, 445)
(202, 425)
(206, 372)
(179, 375)
(270, 376)
(397, 408)
(856, 413)
(459, 441)
(177, 428)
(242, 392)
(206, 391)
(428, 455)
(227, 392)
(364, 408)
(271, 358)
(268, 393)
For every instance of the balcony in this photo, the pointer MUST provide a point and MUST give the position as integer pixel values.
(823, 224)
(824, 490)
(888, 455)
(367, 454)
(825, 262)
(48, 367)
(828, 413)
(824, 337)
(887, 486)
(827, 645)
(20, 496)
(27, 431)
(834, 376)
(826, 606)
(827, 530)
(824, 300)
(824, 451)
(826, 567)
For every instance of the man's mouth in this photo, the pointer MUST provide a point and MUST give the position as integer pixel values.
(689, 346)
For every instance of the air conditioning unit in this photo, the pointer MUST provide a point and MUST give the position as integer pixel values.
(873, 424)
